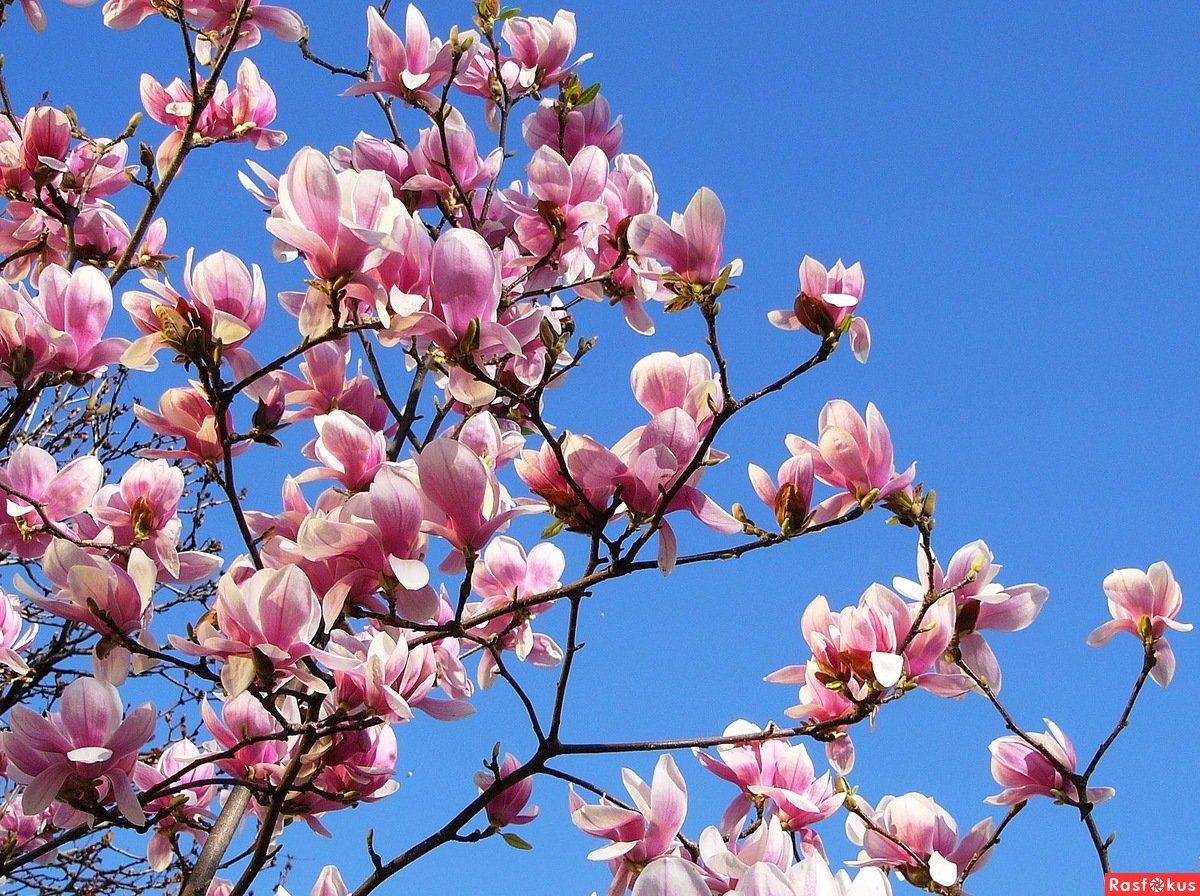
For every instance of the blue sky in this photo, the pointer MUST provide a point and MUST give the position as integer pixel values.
(1020, 184)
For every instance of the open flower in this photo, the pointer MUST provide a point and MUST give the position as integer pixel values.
(84, 754)
(1025, 771)
(1144, 604)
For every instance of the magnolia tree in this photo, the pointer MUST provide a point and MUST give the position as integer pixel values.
(443, 274)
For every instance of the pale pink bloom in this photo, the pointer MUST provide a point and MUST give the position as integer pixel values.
(791, 499)
(981, 603)
(30, 479)
(655, 457)
(329, 883)
(496, 442)
(853, 455)
(510, 805)
(250, 735)
(461, 171)
(264, 627)
(771, 769)
(587, 125)
(377, 670)
(503, 574)
(122, 14)
(826, 300)
(861, 646)
(350, 450)
(727, 855)
(15, 636)
(91, 589)
(344, 769)
(216, 16)
(69, 315)
(1024, 771)
(638, 835)
(45, 139)
(143, 511)
(592, 468)
(411, 68)
(186, 414)
(1144, 604)
(563, 211)
(540, 48)
(21, 831)
(662, 381)
(183, 801)
(327, 386)
(227, 302)
(927, 830)
(469, 506)
(690, 246)
(822, 699)
(83, 754)
(337, 220)
(673, 876)
(369, 153)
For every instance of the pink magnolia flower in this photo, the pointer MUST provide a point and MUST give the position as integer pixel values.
(250, 735)
(503, 574)
(1024, 771)
(264, 627)
(1144, 604)
(690, 246)
(31, 479)
(184, 802)
(825, 302)
(823, 698)
(638, 835)
(539, 49)
(563, 211)
(329, 883)
(123, 14)
(469, 505)
(143, 511)
(336, 219)
(591, 467)
(774, 770)
(864, 646)
(927, 830)
(456, 174)
(981, 603)
(342, 770)
(791, 499)
(350, 450)
(409, 69)
(186, 414)
(510, 805)
(811, 876)
(587, 125)
(240, 115)
(727, 857)
(91, 589)
(214, 17)
(15, 636)
(68, 318)
(84, 754)
(853, 455)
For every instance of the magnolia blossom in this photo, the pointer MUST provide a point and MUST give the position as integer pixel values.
(1144, 604)
(673, 876)
(826, 304)
(927, 831)
(510, 805)
(1025, 771)
(83, 755)
(853, 455)
(690, 246)
(773, 774)
(980, 603)
(15, 636)
(638, 835)
(184, 802)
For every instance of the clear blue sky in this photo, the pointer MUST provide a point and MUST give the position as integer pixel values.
(1020, 184)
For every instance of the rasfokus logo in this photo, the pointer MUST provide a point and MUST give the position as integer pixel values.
(1152, 882)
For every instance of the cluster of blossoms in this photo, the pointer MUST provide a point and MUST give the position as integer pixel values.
(397, 559)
